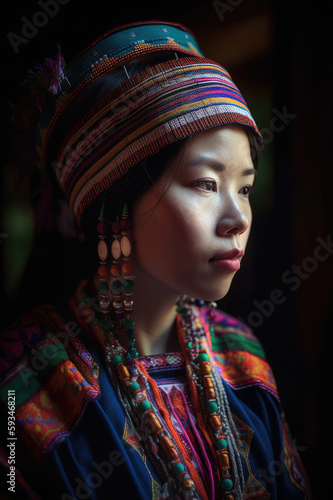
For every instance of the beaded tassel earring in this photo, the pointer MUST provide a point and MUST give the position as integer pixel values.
(103, 272)
(122, 280)
(127, 269)
(115, 271)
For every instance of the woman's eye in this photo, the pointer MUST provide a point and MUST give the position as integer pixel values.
(206, 185)
(246, 190)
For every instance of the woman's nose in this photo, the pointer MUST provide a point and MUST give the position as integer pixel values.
(233, 218)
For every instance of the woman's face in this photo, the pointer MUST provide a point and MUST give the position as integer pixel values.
(190, 231)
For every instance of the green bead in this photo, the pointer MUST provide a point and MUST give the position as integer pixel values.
(190, 344)
(134, 387)
(103, 287)
(212, 407)
(117, 359)
(178, 468)
(128, 323)
(203, 357)
(133, 353)
(227, 484)
(144, 405)
(221, 444)
(128, 285)
(116, 286)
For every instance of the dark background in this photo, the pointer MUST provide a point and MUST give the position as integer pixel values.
(279, 54)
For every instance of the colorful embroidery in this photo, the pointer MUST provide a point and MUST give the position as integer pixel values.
(54, 379)
(253, 488)
(292, 460)
(239, 356)
(162, 360)
(130, 437)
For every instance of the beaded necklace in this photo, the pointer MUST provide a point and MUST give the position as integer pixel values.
(132, 386)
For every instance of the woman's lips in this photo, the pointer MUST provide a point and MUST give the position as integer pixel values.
(228, 260)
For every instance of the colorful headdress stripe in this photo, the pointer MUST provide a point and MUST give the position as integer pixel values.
(115, 48)
(158, 106)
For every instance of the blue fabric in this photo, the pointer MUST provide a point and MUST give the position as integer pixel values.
(96, 463)
(103, 459)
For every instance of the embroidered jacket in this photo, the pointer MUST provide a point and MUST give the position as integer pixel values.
(74, 441)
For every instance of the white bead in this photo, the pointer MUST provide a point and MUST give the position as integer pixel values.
(102, 250)
(117, 305)
(104, 305)
(125, 246)
(128, 304)
(115, 249)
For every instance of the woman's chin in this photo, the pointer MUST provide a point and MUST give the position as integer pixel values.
(213, 293)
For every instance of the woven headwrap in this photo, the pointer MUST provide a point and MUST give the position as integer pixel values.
(158, 106)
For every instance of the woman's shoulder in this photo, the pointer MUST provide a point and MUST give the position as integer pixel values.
(42, 358)
(23, 335)
(27, 333)
(238, 354)
(229, 333)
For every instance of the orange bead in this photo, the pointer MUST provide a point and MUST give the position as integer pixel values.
(152, 422)
(210, 393)
(215, 422)
(123, 372)
(207, 382)
(171, 453)
(224, 460)
(103, 271)
(127, 267)
(229, 497)
(166, 443)
(206, 368)
(115, 270)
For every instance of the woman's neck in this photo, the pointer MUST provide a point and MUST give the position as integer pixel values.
(155, 316)
(154, 313)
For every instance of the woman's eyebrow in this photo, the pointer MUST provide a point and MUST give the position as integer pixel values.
(250, 171)
(216, 165)
(205, 160)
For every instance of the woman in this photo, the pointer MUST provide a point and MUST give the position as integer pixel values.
(134, 389)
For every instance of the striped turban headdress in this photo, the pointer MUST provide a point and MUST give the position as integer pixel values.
(167, 102)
